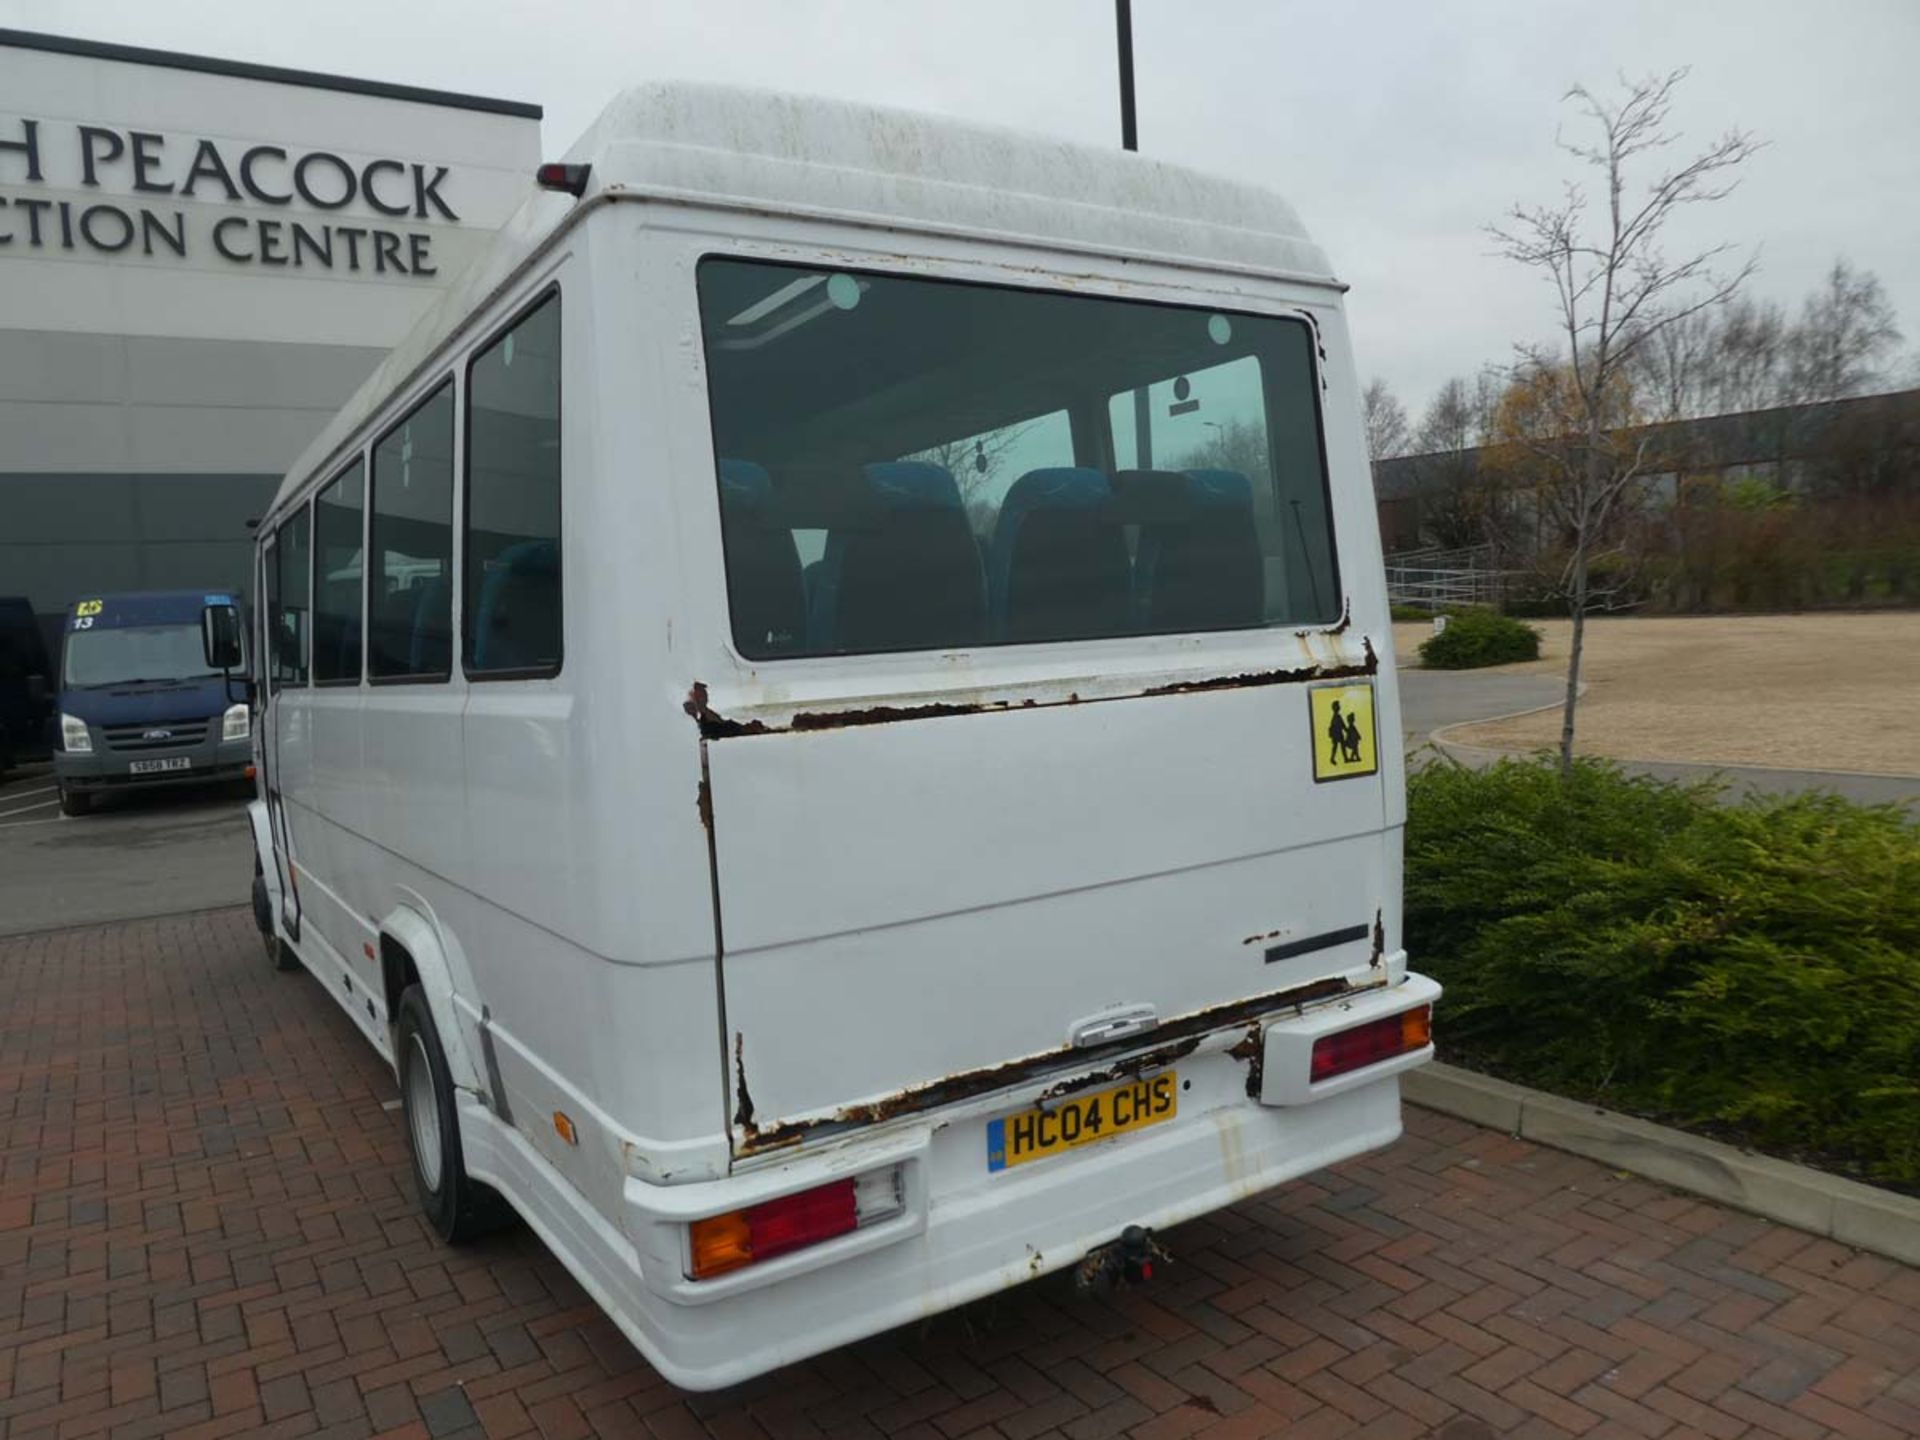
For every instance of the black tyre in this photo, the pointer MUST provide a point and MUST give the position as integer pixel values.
(278, 951)
(458, 1206)
(75, 802)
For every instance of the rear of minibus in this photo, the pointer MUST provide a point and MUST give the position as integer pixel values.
(1052, 780)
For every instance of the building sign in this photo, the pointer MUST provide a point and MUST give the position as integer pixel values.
(145, 193)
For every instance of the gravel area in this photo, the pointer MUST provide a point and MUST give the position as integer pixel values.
(1813, 692)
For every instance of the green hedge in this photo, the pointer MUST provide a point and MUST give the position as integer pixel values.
(1752, 969)
(1480, 637)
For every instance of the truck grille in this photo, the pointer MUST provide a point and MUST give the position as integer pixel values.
(165, 735)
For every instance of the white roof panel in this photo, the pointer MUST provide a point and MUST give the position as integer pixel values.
(733, 147)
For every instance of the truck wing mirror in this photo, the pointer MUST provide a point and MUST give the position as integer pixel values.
(220, 636)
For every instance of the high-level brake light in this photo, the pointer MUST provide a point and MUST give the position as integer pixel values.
(569, 179)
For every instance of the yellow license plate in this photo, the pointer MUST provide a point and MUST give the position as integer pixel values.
(1035, 1134)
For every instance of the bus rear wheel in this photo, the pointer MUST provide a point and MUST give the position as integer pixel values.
(459, 1207)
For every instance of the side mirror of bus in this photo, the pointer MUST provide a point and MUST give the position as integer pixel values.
(220, 636)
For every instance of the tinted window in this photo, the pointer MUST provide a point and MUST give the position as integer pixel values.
(511, 608)
(270, 616)
(336, 577)
(410, 579)
(917, 464)
(290, 632)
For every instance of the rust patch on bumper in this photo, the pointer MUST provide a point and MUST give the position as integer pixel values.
(1252, 1048)
(1178, 1037)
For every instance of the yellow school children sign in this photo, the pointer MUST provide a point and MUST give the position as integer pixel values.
(1344, 739)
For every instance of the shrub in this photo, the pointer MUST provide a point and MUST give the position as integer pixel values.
(1480, 637)
(1752, 968)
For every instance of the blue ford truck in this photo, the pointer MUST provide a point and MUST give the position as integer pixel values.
(140, 704)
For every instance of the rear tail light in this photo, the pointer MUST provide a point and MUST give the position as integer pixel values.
(793, 1222)
(1373, 1042)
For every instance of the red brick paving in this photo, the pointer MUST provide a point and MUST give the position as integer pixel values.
(206, 1228)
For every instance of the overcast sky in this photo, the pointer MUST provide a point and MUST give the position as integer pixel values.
(1397, 127)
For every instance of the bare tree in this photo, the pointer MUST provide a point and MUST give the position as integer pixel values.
(1462, 504)
(1845, 335)
(1615, 291)
(1674, 370)
(975, 464)
(1387, 430)
(1749, 358)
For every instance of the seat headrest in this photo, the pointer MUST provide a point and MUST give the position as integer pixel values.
(742, 482)
(913, 485)
(1220, 487)
(529, 557)
(1058, 487)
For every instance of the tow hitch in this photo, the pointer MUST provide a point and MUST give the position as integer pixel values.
(1120, 1263)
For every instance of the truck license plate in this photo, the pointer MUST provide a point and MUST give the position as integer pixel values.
(172, 762)
(1035, 1134)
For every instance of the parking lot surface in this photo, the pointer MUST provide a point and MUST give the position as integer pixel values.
(147, 852)
(207, 1228)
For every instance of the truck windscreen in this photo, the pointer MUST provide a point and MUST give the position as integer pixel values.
(124, 654)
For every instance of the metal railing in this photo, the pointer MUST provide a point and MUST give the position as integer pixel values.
(1435, 579)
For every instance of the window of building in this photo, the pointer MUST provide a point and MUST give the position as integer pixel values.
(410, 544)
(294, 552)
(911, 464)
(510, 611)
(337, 575)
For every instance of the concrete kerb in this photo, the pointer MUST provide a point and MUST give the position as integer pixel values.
(1857, 1215)
(1438, 737)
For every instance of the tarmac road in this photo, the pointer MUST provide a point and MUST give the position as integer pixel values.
(158, 852)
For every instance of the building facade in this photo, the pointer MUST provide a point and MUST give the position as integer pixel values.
(199, 262)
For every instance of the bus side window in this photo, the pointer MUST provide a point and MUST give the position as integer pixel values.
(510, 610)
(269, 659)
(296, 578)
(337, 578)
(410, 561)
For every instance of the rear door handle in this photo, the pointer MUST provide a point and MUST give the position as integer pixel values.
(1113, 1024)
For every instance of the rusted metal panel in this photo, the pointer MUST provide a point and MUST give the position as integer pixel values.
(1172, 1041)
(716, 726)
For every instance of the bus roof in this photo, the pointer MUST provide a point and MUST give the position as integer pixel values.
(748, 149)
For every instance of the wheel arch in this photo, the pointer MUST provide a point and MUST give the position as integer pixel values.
(411, 952)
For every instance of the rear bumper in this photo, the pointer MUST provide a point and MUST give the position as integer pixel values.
(966, 1231)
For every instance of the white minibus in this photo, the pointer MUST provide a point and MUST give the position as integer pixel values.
(831, 711)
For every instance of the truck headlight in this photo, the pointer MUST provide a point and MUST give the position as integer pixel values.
(237, 723)
(74, 738)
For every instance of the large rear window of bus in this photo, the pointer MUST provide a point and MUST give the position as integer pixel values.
(913, 464)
